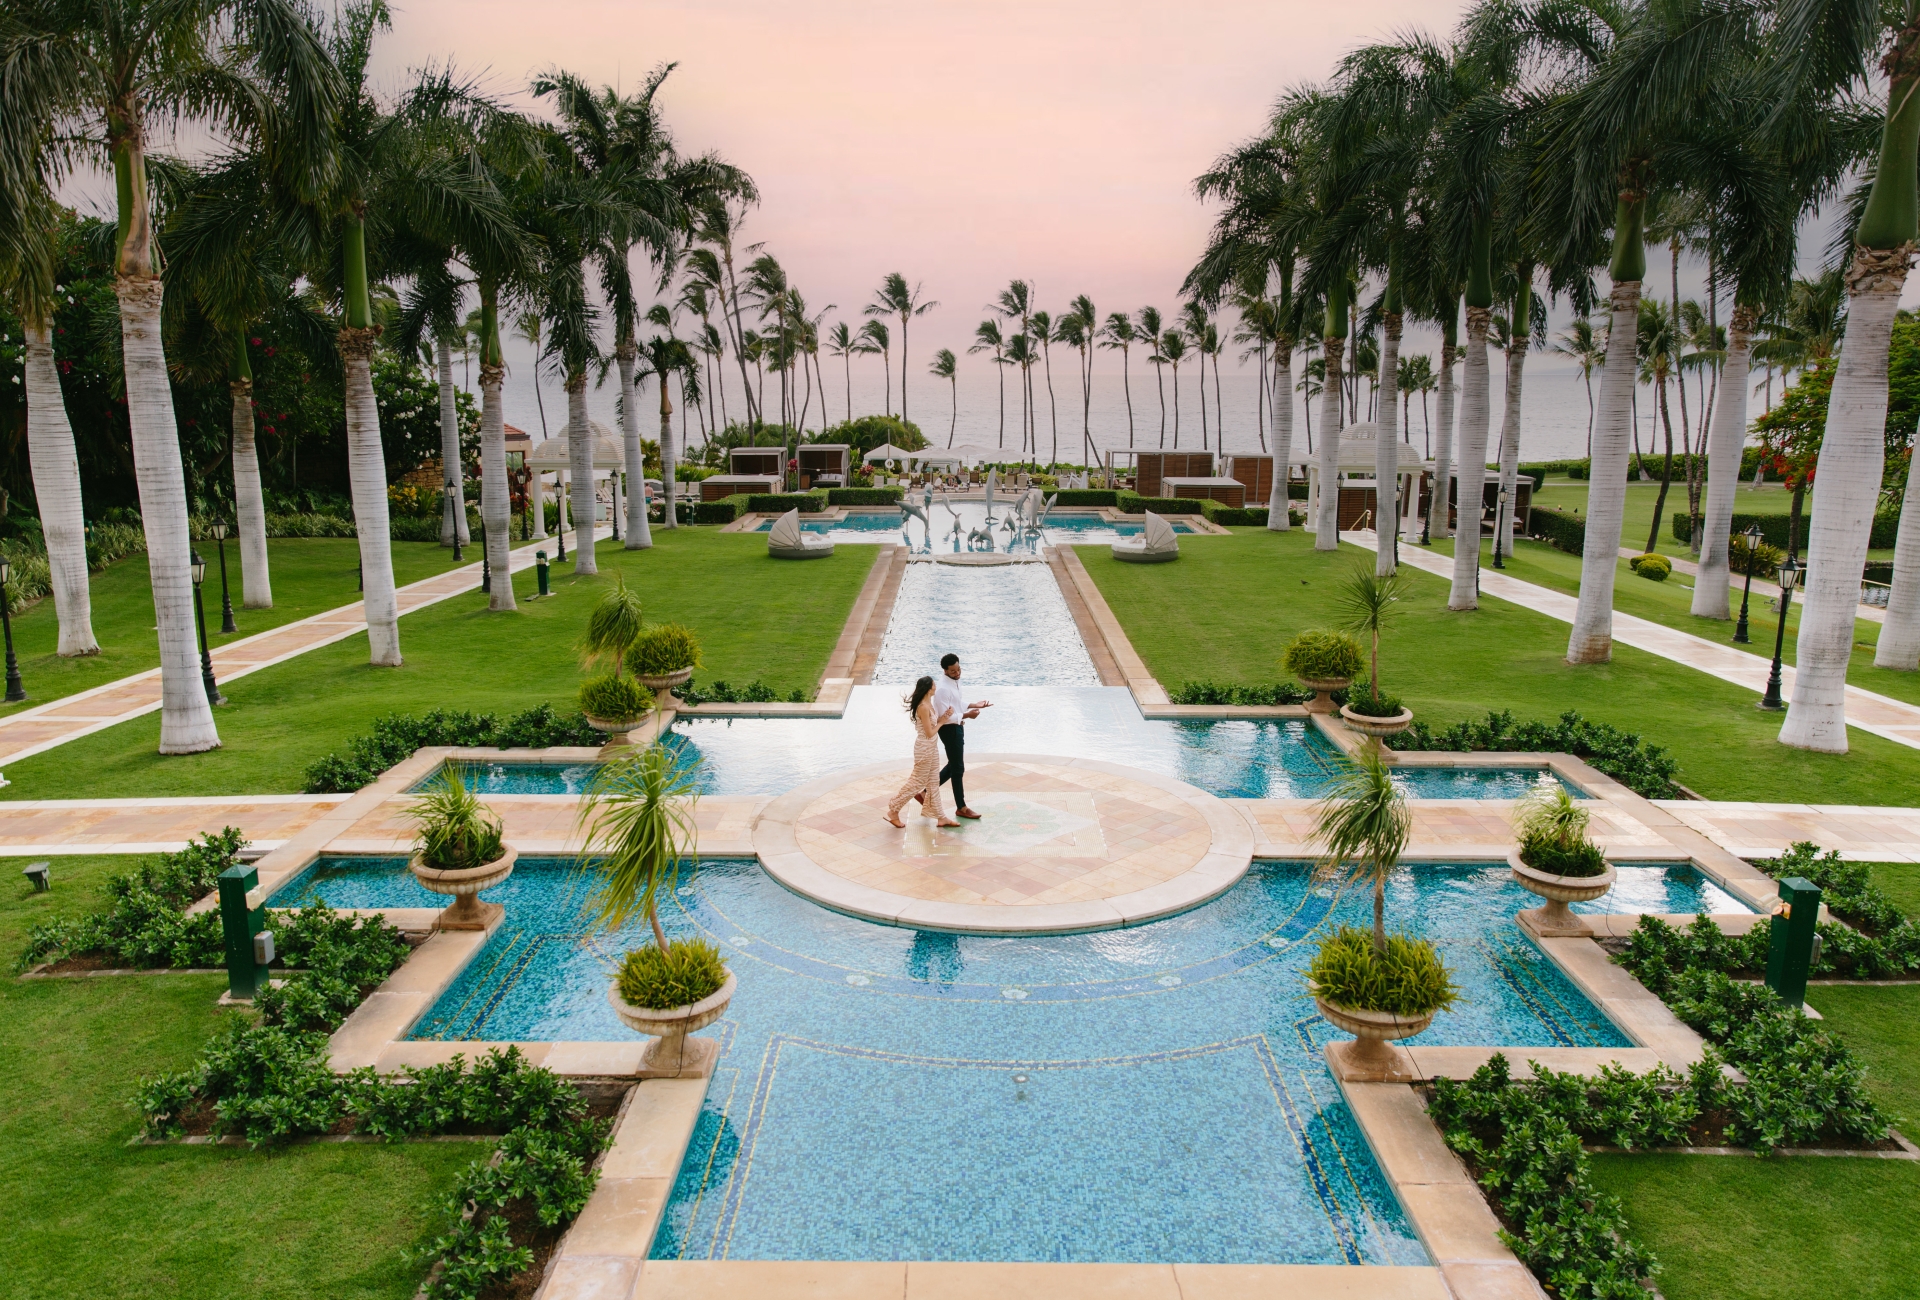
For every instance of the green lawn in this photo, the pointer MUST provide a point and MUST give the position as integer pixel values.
(1882, 1025)
(1770, 499)
(90, 1215)
(1670, 603)
(310, 576)
(1901, 880)
(757, 618)
(1228, 607)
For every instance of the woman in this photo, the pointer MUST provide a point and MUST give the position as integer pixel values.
(925, 779)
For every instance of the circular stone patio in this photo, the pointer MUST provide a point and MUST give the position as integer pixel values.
(1063, 844)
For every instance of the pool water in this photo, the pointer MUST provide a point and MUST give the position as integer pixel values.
(1009, 624)
(1154, 1093)
(1063, 527)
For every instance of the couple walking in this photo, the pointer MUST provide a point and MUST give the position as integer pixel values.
(938, 711)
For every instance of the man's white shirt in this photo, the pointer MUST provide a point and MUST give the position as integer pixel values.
(947, 695)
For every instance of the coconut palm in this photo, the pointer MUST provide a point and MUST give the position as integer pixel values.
(1528, 320)
(894, 298)
(1044, 336)
(717, 224)
(105, 71)
(1118, 332)
(1022, 354)
(987, 338)
(879, 342)
(1363, 826)
(662, 357)
(1148, 326)
(1587, 350)
(1173, 350)
(1079, 329)
(1016, 303)
(947, 366)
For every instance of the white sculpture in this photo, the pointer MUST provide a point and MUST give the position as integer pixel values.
(1156, 544)
(788, 541)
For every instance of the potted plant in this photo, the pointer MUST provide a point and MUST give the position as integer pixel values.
(459, 851)
(1369, 601)
(1324, 662)
(637, 823)
(1374, 986)
(664, 656)
(1557, 861)
(612, 703)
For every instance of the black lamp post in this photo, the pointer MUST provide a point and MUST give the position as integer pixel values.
(199, 567)
(453, 523)
(1753, 554)
(1499, 519)
(15, 691)
(486, 560)
(1790, 574)
(613, 512)
(1426, 526)
(226, 597)
(560, 520)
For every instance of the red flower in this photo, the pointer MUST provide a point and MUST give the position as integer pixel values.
(273, 352)
(269, 428)
(66, 367)
(255, 342)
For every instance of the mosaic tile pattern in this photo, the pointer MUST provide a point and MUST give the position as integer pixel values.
(1047, 834)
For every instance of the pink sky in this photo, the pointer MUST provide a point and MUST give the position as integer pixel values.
(962, 145)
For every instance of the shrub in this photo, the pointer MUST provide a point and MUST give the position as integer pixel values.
(1323, 656)
(1365, 701)
(778, 503)
(1766, 557)
(1563, 532)
(870, 431)
(614, 699)
(1083, 497)
(1774, 528)
(1846, 888)
(613, 626)
(853, 496)
(723, 511)
(1218, 512)
(1651, 566)
(754, 692)
(1132, 503)
(689, 969)
(664, 648)
(145, 924)
(1213, 693)
(457, 831)
(396, 736)
(1552, 826)
(1643, 768)
(1409, 980)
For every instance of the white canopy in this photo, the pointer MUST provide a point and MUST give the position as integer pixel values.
(786, 530)
(945, 458)
(887, 451)
(1358, 444)
(1160, 535)
(555, 453)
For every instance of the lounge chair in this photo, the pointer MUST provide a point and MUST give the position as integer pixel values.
(787, 541)
(1155, 545)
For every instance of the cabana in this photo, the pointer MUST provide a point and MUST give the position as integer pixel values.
(788, 541)
(716, 486)
(1150, 467)
(1155, 545)
(823, 464)
(755, 462)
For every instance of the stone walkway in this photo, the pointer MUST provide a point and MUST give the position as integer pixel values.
(33, 731)
(1870, 712)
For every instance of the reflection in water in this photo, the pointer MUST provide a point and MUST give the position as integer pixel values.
(934, 957)
(966, 526)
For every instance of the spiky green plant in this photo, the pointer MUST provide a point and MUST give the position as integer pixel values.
(1404, 978)
(663, 648)
(637, 823)
(457, 831)
(1363, 825)
(1552, 826)
(613, 627)
(1367, 602)
(660, 979)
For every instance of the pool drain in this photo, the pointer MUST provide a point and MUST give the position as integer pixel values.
(1019, 1078)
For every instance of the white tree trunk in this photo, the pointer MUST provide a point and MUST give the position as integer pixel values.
(580, 454)
(450, 451)
(639, 534)
(1326, 535)
(1591, 641)
(1712, 588)
(496, 504)
(1440, 496)
(1900, 635)
(250, 505)
(1386, 454)
(186, 718)
(1475, 411)
(1846, 487)
(1278, 505)
(56, 486)
(367, 477)
(1510, 443)
(669, 452)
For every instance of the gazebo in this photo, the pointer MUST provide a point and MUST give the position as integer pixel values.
(1357, 496)
(554, 456)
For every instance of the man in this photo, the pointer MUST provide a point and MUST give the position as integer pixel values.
(946, 695)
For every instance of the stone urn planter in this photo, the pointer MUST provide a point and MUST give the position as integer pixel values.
(671, 1054)
(464, 886)
(1369, 1058)
(1323, 689)
(662, 684)
(1554, 921)
(616, 731)
(1376, 729)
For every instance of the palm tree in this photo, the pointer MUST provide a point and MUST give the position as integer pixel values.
(946, 366)
(1079, 329)
(1173, 350)
(1658, 344)
(1045, 337)
(1589, 352)
(1016, 303)
(1118, 332)
(661, 357)
(718, 225)
(987, 338)
(1519, 330)
(879, 342)
(104, 71)
(636, 824)
(1194, 324)
(1021, 354)
(1367, 601)
(893, 298)
(1365, 821)
(1148, 327)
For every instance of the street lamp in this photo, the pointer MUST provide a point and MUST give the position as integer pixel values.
(1791, 572)
(1499, 518)
(1753, 555)
(15, 691)
(199, 567)
(486, 560)
(226, 597)
(453, 523)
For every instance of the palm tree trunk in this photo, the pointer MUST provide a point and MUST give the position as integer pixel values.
(1160, 381)
(1510, 441)
(639, 534)
(1277, 504)
(1326, 536)
(496, 505)
(1046, 353)
(1900, 635)
(1440, 495)
(953, 425)
(1386, 464)
(1666, 471)
(56, 486)
(670, 454)
(1475, 402)
(903, 366)
(1126, 385)
(450, 451)
(367, 472)
(1712, 588)
(250, 507)
(1176, 405)
(1591, 640)
(1219, 410)
(1379, 915)
(581, 495)
(997, 365)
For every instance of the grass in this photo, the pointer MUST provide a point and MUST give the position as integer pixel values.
(90, 1215)
(1227, 609)
(1882, 1025)
(1771, 499)
(1670, 604)
(756, 618)
(1901, 880)
(310, 576)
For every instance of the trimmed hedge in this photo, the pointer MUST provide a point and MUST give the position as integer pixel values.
(1562, 532)
(778, 503)
(1773, 528)
(1218, 512)
(1087, 497)
(879, 496)
(723, 511)
(1132, 503)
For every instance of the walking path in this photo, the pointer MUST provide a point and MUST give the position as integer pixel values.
(1870, 712)
(33, 731)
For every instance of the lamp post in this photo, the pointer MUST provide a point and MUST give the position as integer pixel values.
(1753, 554)
(1790, 572)
(1499, 519)
(226, 596)
(15, 691)
(486, 560)
(1426, 526)
(199, 567)
(453, 524)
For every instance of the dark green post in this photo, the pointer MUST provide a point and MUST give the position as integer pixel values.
(540, 571)
(238, 924)
(1790, 946)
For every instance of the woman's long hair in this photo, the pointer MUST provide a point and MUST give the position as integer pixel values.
(921, 689)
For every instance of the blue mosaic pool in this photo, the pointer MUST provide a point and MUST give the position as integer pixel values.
(1152, 1093)
(1063, 527)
